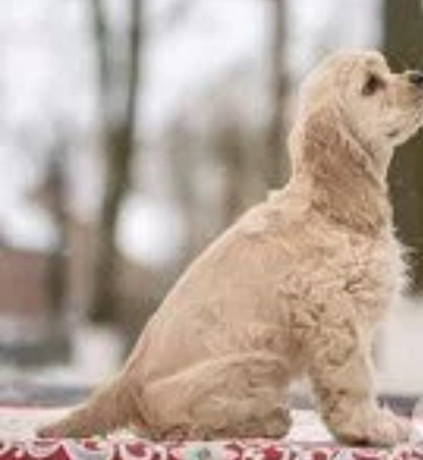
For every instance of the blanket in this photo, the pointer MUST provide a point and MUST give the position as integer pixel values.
(308, 440)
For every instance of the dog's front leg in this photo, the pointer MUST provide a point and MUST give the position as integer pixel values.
(341, 373)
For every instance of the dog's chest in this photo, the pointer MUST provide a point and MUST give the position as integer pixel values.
(371, 271)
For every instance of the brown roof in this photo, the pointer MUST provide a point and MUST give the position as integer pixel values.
(23, 282)
(24, 288)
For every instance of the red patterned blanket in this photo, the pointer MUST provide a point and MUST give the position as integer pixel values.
(308, 441)
(218, 450)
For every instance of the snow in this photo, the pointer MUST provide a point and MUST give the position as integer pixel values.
(400, 357)
(90, 344)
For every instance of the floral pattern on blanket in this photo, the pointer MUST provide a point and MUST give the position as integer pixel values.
(308, 440)
(221, 450)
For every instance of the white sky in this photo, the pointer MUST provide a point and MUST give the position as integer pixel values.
(45, 76)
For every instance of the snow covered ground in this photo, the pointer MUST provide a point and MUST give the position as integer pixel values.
(401, 349)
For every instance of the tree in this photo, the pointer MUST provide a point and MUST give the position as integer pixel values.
(403, 45)
(57, 204)
(276, 161)
(118, 95)
(48, 152)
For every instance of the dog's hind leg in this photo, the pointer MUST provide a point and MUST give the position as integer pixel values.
(240, 395)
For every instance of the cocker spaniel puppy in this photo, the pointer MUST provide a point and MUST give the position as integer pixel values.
(295, 287)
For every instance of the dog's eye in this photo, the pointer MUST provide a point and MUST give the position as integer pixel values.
(372, 84)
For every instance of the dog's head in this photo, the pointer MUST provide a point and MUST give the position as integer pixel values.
(382, 108)
(353, 111)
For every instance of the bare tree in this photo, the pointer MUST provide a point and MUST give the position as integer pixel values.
(57, 204)
(276, 161)
(181, 153)
(119, 87)
(232, 154)
(48, 150)
(403, 44)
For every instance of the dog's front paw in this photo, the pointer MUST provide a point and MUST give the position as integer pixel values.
(389, 429)
(380, 427)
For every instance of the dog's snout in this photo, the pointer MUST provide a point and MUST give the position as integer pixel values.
(415, 77)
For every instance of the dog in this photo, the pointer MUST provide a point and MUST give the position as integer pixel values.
(295, 287)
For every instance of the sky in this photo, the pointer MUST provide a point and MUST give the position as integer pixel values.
(45, 77)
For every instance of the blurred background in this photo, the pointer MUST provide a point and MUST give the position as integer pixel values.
(132, 132)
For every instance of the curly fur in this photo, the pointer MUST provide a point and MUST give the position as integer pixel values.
(295, 287)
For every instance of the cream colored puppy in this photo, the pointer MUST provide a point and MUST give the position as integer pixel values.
(296, 286)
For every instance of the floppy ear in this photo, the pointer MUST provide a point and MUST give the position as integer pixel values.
(326, 151)
(343, 184)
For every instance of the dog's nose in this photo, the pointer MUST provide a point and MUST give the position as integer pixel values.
(415, 77)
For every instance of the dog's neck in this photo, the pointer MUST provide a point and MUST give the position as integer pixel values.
(346, 184)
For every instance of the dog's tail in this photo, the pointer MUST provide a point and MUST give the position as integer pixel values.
(109, 408)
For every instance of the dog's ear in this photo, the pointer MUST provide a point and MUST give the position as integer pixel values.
(337, 168)
(325, 149)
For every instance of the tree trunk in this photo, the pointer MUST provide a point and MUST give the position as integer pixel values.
(57, 264)
(119, 145)
(233, 160)
(276, 162)
(182, 152)
(403, 45)
(106, 293)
